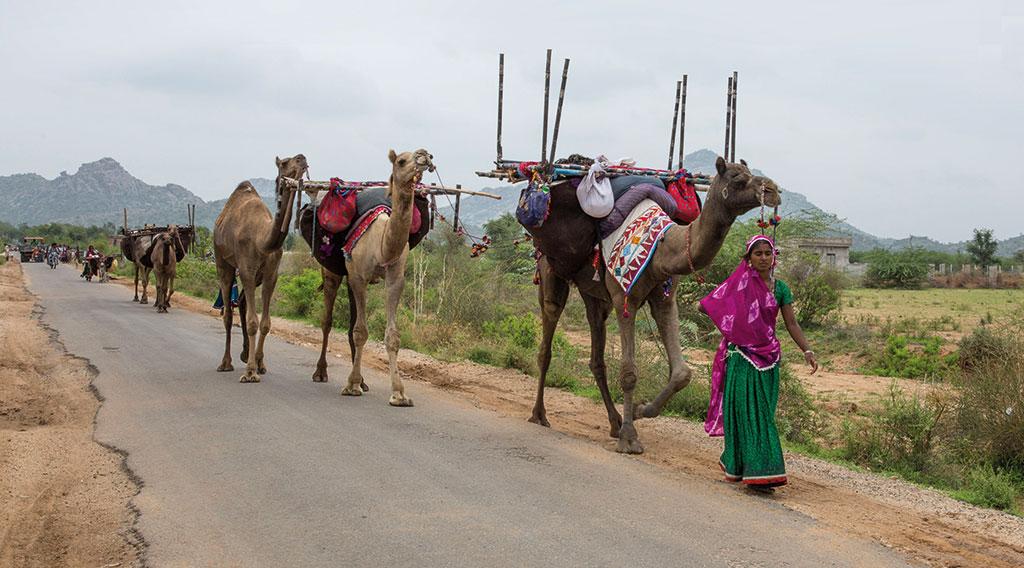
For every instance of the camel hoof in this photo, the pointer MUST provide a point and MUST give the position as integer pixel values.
(541, 420)
(143, 301)
(399, 400)
(262, 370)
(249, 377)
(135, 300)
(320, 376)
(366, 388)
(244, 357)
(225, 367)
(629, 446)
(351, 391)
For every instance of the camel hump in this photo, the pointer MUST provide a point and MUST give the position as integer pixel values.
(245, 186)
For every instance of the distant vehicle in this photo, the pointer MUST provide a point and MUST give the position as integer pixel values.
(30, 245)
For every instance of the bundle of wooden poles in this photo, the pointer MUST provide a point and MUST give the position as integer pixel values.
(549, 170)
(188, 228)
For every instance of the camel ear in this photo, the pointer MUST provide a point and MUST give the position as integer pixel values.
(744, 162)
(277, 161)
(720, 165)
(392, 156)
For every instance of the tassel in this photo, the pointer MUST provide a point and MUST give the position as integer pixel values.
(625, 307)
(595, 263)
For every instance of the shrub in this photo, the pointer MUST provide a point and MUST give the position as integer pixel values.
(920, 359)
(816, 288)
(298, 294)
(987, 486)
(480, 354)
(891, 271)
(900, 437)
(520, 331)
(796, 416)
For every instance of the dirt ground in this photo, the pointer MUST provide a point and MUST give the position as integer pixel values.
(930, 527)
(64, 498)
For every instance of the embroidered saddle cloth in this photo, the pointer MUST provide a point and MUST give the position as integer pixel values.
(628, 249)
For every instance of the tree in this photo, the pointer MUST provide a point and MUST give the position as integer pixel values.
(1018, 257)
(504, 231)
(982, 248)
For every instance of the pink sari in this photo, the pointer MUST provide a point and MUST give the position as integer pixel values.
(745, 311)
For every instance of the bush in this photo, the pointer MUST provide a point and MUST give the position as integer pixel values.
(796, 416)
(480, 354)
(990, 412)
(895, 271)
(987, 486)
(899, 438)
(917, 360)
(298, 294)
(816, 288)
(521, 331)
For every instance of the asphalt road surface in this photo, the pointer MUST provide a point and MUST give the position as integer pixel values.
(287, 472)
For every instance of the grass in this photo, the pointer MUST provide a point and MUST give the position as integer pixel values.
(955, 309)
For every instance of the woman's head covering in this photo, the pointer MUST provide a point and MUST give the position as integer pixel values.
(756, 239)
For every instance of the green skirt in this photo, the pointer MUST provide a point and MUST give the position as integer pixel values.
(753, 453)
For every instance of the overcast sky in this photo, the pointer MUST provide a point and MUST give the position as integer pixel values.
(903, 117)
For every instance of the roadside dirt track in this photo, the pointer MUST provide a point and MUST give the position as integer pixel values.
(64, 498)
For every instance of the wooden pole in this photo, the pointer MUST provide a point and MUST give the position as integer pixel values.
(547, 88)
(433, 208)
(682, 121)
(728, 117)
(126, 220)
(735, 88)
(558, 111)
(458, 204)
(501, 97)
(675, 120)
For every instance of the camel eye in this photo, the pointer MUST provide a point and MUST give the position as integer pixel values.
(401, 162)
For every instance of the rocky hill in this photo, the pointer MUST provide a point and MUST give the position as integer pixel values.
(98, 191)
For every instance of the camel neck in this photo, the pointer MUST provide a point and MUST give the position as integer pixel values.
(278, 230)
(396, 237)
(680, 253)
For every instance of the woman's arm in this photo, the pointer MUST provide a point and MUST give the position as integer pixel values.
(798, 336)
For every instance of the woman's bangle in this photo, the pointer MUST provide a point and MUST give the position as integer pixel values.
(809, 352)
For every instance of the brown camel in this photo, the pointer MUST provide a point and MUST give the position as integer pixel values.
(165, 265)
(134, 250)
(247, 240)
(567, 240)
(380, 253)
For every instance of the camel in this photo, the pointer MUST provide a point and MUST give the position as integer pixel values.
(248, 241)
(134, 250)
(566, 241)
(381, 252)
(165, 264)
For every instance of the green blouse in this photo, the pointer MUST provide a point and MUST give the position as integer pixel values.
(783, 295)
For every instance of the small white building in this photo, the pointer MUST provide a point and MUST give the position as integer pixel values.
(834, 251)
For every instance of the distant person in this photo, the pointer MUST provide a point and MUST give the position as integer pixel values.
(745, 374)
(90, 254)
(53, 256)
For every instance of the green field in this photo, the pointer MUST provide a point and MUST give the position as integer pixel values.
(951, 309)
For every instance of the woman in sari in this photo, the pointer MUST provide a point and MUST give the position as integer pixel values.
(745, 374)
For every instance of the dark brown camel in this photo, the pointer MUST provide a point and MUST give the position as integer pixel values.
(567, 240)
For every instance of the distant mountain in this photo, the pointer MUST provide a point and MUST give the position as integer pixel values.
(98, 191)
(93, 195)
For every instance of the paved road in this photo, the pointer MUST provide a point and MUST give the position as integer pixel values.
(289, 473)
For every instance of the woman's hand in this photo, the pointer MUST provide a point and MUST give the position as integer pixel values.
(811, 360)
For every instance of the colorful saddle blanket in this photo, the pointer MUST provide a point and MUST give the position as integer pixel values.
(628, 249)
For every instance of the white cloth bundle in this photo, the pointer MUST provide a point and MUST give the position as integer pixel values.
(595, 191)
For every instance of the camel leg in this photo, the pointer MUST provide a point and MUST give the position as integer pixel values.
(226, 274)
(159, 302)
(145, 286)
(552, 294)
(170, 290)
(628, 440)
(597, 317)
(331, 283)
(266, 292)
(251, 325)
(351, 326)
(243, 309)
(394, 282)
(136, 299)
(360, 333)
(666, 315)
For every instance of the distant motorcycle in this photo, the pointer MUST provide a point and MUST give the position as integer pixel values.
(52, 260)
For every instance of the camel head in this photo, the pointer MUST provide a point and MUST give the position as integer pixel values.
(407, 168)
(294, 167)
(741, 190)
